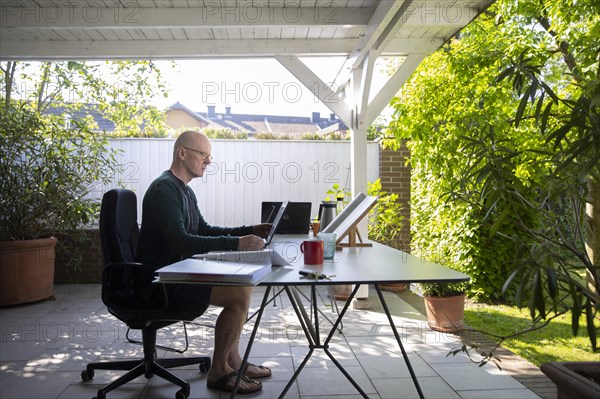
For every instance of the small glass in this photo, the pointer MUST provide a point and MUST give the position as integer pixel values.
(329, 241)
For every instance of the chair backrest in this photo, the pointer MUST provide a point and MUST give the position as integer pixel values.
(119, 230)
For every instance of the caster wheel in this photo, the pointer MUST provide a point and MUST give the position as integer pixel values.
(100, 396)
(204, 367)
(87, 375)
(181, 394)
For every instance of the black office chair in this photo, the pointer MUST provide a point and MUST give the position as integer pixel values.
(126, 295)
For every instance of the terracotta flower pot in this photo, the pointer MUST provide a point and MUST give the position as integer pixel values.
(26, 270)
(399, 287)
(445, 314)
(341, 292)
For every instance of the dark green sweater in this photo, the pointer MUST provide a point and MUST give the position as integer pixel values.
(173, 228)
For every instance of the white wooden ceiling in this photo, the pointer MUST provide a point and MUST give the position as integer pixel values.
(100, 29)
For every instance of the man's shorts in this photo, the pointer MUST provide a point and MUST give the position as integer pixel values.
(194, 293)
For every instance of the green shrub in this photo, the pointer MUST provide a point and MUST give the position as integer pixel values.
(224, 134)
(273, 136)
(311, 136)
(385, 219)
(443, 289)
(451, 111)
(49, 172)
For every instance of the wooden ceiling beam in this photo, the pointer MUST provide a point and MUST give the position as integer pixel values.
(177, 49)
(94, 15)
(320, 89)
(98, 16)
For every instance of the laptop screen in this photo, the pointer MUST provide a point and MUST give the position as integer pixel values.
(278, 218)
(296, 219)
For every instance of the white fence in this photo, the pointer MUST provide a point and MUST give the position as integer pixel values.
(246, 172)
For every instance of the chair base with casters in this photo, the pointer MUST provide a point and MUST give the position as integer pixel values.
(166, 348)
(149, 366)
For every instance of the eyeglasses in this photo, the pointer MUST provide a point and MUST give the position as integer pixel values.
(204, 155)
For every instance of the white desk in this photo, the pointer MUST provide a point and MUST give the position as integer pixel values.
(358, 265)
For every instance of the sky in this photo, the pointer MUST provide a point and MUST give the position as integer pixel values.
(252, 86)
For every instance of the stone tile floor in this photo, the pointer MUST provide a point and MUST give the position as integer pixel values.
(46, 345)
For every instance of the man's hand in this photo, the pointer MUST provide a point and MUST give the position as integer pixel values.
(261, 230)
(250, 243)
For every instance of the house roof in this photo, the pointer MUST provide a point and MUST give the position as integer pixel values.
(81, 112)
(255, 123)
(237, 122)
(179, 106)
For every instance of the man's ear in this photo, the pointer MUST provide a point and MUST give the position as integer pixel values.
(180, 153)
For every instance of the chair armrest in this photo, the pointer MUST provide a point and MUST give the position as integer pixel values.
(128, 287)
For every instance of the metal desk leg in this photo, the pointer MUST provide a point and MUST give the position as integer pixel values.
(305, 319)
(404, 354)
(312, 334)
(305, 322)
(273, 299)
(334, 305)
(334, 328)
(311, 330)
(263, 305)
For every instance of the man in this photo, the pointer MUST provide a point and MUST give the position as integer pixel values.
(173, 229)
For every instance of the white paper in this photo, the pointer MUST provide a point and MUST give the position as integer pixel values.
(262, 257)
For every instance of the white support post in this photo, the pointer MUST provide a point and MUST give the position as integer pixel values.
(358, 156)
(358, 148)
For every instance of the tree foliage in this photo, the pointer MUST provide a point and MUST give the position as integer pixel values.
(119, 90)
(450, 101)
(503, 128)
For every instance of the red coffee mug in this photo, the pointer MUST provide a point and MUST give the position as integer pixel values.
(313, 251)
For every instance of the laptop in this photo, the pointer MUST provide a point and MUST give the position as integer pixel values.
(231, 255)
(296, 219)
(275, 223)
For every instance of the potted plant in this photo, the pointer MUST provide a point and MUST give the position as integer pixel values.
(340, 195)
(444, 305)
(48, 172)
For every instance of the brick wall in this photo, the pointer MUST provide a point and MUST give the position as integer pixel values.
(395, 178)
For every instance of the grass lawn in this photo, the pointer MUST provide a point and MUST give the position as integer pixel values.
(555, 342)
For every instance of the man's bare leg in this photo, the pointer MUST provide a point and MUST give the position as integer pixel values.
(235, 361)
(235, 302)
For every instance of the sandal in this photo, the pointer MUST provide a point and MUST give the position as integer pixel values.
(227, 383)
(255, 375)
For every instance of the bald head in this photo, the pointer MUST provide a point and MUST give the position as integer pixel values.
(190, 139)
(191, 155)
